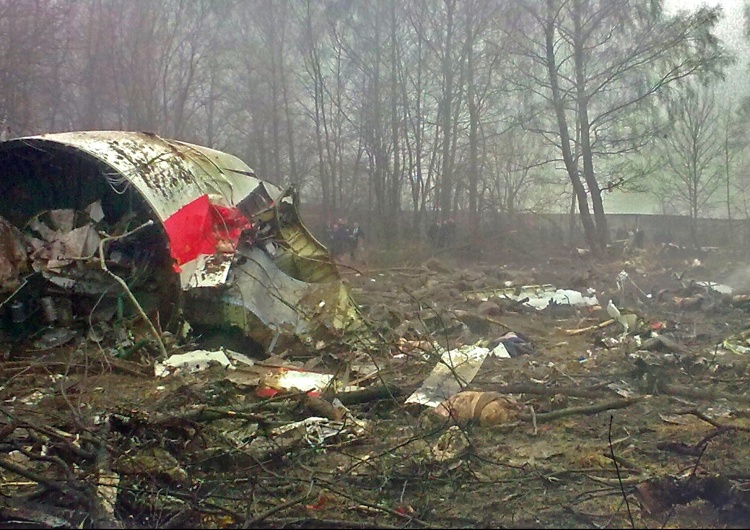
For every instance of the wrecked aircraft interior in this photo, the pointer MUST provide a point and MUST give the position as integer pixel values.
(95, 226)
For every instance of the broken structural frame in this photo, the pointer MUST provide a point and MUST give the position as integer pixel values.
(226, 248)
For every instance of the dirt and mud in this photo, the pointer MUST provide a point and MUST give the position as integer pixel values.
(603, 426)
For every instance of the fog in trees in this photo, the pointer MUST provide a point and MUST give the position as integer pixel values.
(400, 113)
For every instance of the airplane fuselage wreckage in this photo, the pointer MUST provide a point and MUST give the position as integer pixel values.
(91, 222)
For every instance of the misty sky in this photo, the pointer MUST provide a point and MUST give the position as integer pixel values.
(730, 30)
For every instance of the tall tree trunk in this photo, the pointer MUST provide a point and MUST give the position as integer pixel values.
(601, 236)
(446, 111)
(570, 164)
(473, 177)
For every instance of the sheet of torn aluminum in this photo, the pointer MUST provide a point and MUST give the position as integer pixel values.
(266, 300)
(539, 296)
(316, 430)
(206, 200)
(168, 173)
(454, 371)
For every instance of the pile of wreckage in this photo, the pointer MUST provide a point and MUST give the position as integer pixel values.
(98, 226)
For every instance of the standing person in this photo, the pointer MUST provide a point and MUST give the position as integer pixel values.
(340, 238)
(639, 239)
(354, 237)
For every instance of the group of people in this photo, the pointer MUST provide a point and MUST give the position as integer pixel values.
(442, 233)
(344, 238)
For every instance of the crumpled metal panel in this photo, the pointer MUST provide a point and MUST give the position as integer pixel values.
(265, 299)
(167, 173)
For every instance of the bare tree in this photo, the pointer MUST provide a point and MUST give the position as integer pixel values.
(596, 64)
(33, 41)
(693, 152)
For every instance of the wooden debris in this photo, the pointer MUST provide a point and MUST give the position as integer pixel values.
(579, 331)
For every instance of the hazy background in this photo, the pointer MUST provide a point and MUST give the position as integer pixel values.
(405, 113)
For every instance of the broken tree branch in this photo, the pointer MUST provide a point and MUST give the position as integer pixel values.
(366, 395)
(589, 409)
(698, 414)
(39, 479)
(251, 523)
(579, 331)
(708, 395)
(103, 264)
(698, 448)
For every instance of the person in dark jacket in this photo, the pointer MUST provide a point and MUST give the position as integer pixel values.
(340, 238)
(450, 232)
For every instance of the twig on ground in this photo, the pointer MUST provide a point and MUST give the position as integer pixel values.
(590, 409)
(251, 522)
(617, 468)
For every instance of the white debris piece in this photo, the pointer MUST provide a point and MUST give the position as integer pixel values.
(454, 371)
(613, 311)
(627, 321)
(539, 296)
(718, 287)
(192, 361)
(240, 358)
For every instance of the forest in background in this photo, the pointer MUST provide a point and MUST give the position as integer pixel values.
(400, 113)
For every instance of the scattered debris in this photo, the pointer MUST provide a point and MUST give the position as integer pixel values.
(193, 361)
(538, 296)
(272, 403)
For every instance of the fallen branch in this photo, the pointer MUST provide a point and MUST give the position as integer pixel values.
(496, 322)
(706, 395)
(626, 481)
(546, 390)
(368, 394)
(312, 522)
(698, 414)
(203, 414)
(39, 479)
(579, 331)
(251, 523)
(698, 448)
(590, 409)
(33, 515)
(374, 506)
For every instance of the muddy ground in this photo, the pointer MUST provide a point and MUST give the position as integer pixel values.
(598, 429)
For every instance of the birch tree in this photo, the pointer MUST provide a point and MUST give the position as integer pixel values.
(596, 65)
